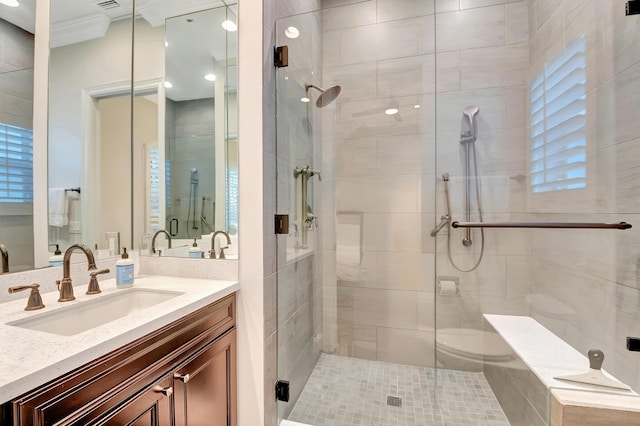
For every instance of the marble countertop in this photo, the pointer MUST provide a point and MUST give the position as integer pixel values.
(30, 358)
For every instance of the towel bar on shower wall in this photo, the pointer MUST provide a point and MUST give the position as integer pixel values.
(544, 225)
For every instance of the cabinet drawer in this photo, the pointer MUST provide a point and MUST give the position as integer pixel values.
(114, 378)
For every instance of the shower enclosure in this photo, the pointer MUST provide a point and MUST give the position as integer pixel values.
(431, 124)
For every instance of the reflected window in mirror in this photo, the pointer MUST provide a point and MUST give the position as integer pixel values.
(17, 27)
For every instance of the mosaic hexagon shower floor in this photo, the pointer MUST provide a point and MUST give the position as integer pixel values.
(347, 391)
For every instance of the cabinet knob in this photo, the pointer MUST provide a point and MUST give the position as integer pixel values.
(184, 378)
(165, 391)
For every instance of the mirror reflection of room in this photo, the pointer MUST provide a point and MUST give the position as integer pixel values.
(118, 185)
(196, 160)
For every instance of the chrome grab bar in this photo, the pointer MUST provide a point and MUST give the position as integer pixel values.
(545, 225)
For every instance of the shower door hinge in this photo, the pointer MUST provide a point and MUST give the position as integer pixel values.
(633, 344)
(282, 224)
(282, 391)
(281, 56)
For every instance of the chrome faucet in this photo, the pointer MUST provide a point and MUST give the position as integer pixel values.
(65, 285)
(212, 252)
(153, 240)
(5, 258)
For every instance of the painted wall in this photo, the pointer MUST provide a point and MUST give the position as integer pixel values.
(16, 108)
(590, 280)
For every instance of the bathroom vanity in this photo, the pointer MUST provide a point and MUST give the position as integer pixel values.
(170, 363)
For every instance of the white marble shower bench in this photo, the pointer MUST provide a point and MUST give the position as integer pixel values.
(529, 394)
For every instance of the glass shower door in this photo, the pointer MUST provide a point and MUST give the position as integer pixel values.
(299, 174)
(356, 104)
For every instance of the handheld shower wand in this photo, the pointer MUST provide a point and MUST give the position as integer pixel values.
(470, 113)
(467, 140)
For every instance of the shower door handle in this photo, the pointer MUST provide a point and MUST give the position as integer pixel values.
(173, 221)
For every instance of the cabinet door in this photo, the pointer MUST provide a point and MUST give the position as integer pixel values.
(151, 407)
(205, 386)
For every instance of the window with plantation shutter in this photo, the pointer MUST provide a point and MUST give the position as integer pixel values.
(558, 122)
(16, 164)
(154, 189)
(232, 200)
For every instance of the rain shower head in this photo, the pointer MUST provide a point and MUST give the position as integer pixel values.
(194, 176)
(326, 95)
(470, 112)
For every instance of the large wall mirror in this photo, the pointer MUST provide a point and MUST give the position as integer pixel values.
(89, 165)
(186, 186)
(115, 184)
(112, 183)
(17, 28)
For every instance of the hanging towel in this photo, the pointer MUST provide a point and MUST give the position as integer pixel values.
(58, 207)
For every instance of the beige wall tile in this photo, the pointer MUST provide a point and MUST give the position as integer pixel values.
(406, 346)
(468, 29)
(494, 67)
(357, 341)
(472, 4)
(379, 308)
(442, 6)
(349, 16)
(406, 76)
(391, 10)
(517, 22)
(387, 40)
(378, 194)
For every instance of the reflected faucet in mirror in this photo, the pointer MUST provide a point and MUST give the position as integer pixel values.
(5, 258)
(65, 285)
(212, 252)
(153, 240)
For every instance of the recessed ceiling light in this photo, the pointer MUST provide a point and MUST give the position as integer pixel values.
(416, 106)
(168, 84)
(210, 77)
(10, 3)
(305, 100)
(391, 111)
(292, 32)
(229, 25)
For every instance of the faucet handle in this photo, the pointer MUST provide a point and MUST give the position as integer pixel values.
(94, 288)
(35, 300)
(221, 255)
(212, 253)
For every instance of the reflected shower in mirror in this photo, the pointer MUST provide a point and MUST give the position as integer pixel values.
(191, 185)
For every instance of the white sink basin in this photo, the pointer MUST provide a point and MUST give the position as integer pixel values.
(84, 316)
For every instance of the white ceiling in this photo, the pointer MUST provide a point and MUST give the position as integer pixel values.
(196, 43)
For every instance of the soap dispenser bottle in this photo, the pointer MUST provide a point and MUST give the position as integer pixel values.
(57, 258)
(124, 271)
(195, 251)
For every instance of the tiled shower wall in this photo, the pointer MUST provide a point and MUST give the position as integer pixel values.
(590, 280)
(190, 130)
(382, 183)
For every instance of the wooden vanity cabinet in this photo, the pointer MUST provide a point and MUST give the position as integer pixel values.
(182, 374)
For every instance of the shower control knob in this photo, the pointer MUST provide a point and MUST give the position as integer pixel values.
(315, 172)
